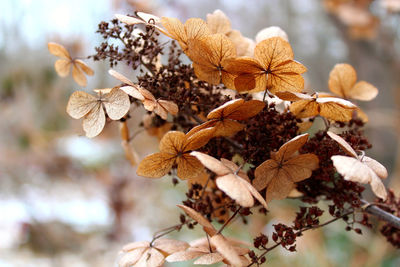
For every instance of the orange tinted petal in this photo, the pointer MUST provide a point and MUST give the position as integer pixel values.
(156, 165)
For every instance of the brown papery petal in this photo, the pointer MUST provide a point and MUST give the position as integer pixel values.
(249, 74)
(58, 50)
(94, 121)
(172, 142)
(156, 165)
(218, 22)
(343, 144)
(132, 91)
(226, 249)
(80, 103)
(225, 109)
(62, 67)
(168, 106)
(341, 79)
(264, 173)
(196, 28)
(175, 29)
(286, 77)
(279, 187)
(300, 167)
(198, 139)
(272, 52)
(78, 75)
(291, 146)
(202, 126)
(336, 109)
(211, 163)
(247, 110)
(209, 55)
(82, 65)
(227, 128)
(207, 226)
(363, 91)
(188, 167)
(292, 96)
(117, 104)
(231, 186)
(304, 108)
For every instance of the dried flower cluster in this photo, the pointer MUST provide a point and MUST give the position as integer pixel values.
(236, 152)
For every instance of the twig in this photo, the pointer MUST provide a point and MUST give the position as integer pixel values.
(229, 220)
(372, 209)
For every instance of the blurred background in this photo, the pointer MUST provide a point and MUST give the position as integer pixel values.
(66, 200)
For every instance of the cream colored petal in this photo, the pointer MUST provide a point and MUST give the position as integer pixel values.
(78, 75)
(80, 103)
(84, 67)
(131, 258)
(343, 144)
(211, 163)
(269, 32)
(120, 77)
(170, 246)
(183, 256)
(94, 121)
(62, 67)
(378, 168)
(117, 104)
(235, 189)
(363, 91)
(58, 50)
(210, 258)
(226, 249)
(207, 226)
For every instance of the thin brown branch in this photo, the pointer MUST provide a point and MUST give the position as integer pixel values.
(381, 214)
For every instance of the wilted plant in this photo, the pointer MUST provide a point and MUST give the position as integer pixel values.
(233, 146)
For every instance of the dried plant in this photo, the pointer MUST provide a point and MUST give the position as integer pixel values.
(231, 148)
